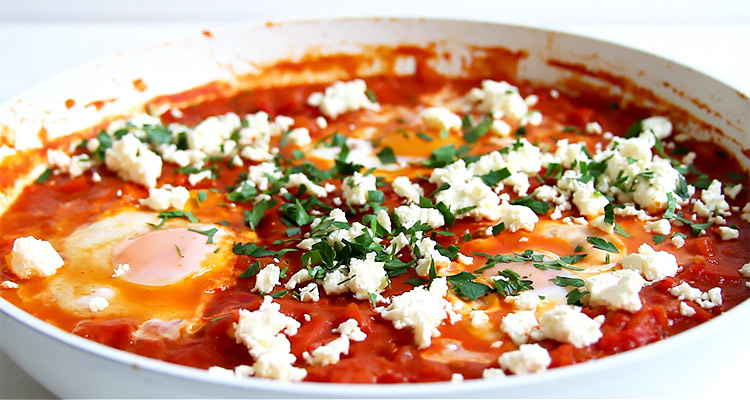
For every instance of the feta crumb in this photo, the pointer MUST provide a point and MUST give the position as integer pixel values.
(300, 276)
(329, 353)
(9, 285)
(660, 126)
(350, 328)
(479, 318)
(498, 98)
(686, 310)
(653, 265)
(569, 325)
(133, 161)
(745, 270)
(528, 358)
(615, 290)
(95, 177)
(728, 233)
(194, 179)
(593, 127)
(411, 214)
(500, 128)
(384, 219)
(684, 291)
(309, 293)
(166, 197)
(421, 310)
(519, 325)
(98, 303)
(321, 122)
(267, 278)
(72, 165)
(403, 187)
(342, 97)
(355, 188)
(662, 227)
(366, 276)
(524, 301)
(457, 378)
(32, 257)
(517, 217)
(430, 255)
(600, 224)
(732, 190)
(299, 137)
(300, 179)
(440, 118)
(464, 259)
(262, 332)
(120, 270)
(493, 373)
(678, 241)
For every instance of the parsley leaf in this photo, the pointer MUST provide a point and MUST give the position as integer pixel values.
(386, 155)
(464, 284)
(494, 177)
(602, 244)
(510, 284)
(564, 281)
(634, 130)
(208, 232)
(537, 206)
(253, 218)
(251, 270)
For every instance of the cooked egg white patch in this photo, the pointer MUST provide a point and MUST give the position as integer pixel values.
(141, 271)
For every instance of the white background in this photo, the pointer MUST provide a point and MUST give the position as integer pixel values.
(40, 38)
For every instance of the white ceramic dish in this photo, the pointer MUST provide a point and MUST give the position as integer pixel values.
(74, 367)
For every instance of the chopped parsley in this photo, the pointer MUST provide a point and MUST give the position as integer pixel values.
(602, 244)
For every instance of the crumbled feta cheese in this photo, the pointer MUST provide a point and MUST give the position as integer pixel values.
(732, 190)
(120, 270)
(593, 127)
(267, 278)
(403, 187)
(300, 179)
(713, 199)
(746, 212)
(421, 310)
(9, 285)
(533, 118)
(350, 328)
(194, 179)
(309, 293)
(299, 137)
(517, 217)
(329, 353)
(745, 270)
(464, 259)
(95, 177)
(678, 241)
(74, 166)
(411, 214)
(686, 310)
(684, 291)
(98, 303)
(499, 98)
(321, 122)
(653, 265)
(300, 276)
(355, 188)
(728, 233)
(6, 151)
(430, 255)
(519, 325)
(569, 325)
(600, 224)
(479, 318)
(660, 126)
(32, 257)
(500, 128)
(332, 282)
(457, 378)
(384, 219)
(262, 331)
(524, 301)
(662, 227)
(209, 135)
(133, 161)
(528, 358)
(366, 276)
(342, 97)
(166, 197)
(615, 290)
(440, 118)
(493, 373)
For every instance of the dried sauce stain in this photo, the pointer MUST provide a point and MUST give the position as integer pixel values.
(69, 103)
(139, 85)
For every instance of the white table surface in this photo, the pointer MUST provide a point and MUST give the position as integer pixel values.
(34, 51)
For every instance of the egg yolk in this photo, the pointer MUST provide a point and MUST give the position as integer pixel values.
(162, 257)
